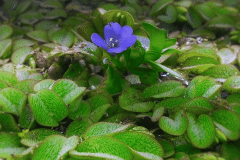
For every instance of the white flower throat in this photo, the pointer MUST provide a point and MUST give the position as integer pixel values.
(112, 43)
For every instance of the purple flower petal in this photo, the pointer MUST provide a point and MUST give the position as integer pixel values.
(129, 41)
(112, 30)
(126, 32)
(98, 40)
(114, 51)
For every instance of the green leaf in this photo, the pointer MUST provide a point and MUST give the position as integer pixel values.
(169, 42)
(122, 17)
(193, 18)
(63, 37)
(205, 33)
(157, 41)
(168, 148)
(47, 107)
(131, 100)
(8, 77)
(36, 76)
(39, 35)
(201, 131)
(79, 109)
(95, 81)
(157, 8)
(105, 128)
(227, 56)
(99, 98)
(52, 4)
(8, 123)
(56, 13)
(10, 145)
(164, 89)
(222, 71)
(161, 68)
(113, 83)
(45, 25)
(30, 17)
(5, 31)
(136, 58)
(5, 48)
(22, 43)
(176, 126)
(221, 22)
(68, 90)
(3, 85)
(227, 122)
(206, 12)
(12, 100)
(26, 118)
(148, 76)
(197, 106)
(86, 30)
(78, 127)
(233, 98)
(202, 86)
(73, 71)
(55, 147)
(44, 84)
(230, 151)
(97, 114)
(37, 135)
(198, 65)
(23, 6)
(141, 144)
(157, 113)
(26, 86)
(173, 102)
(102, 147)
(171, 15)
(181, 155)
(232, 84)
(21, 55)
(122, 117)
(205, 155)
(182, 144)
(198, 52)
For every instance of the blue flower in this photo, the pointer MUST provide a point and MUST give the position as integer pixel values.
(117, 38)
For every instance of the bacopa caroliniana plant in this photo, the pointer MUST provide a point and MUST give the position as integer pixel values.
(117, 38)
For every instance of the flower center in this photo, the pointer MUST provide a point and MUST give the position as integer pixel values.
(112, 43)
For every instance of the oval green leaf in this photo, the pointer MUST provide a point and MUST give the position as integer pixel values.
(104, 128)
(21, 55)
(63, 37)
(68, 90)
(12, 100)
(78, 127)
(141, 144)
(8, 77)
(8, 124)
(102, 147)
(164, 89)
(44, 84)
(5, 31)
(176, 126)
(55, 147)
(232, 84)
(37, 135)
(39, 35)
(47, 107)
(227, 122)
(201, 131)
(5, 48)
